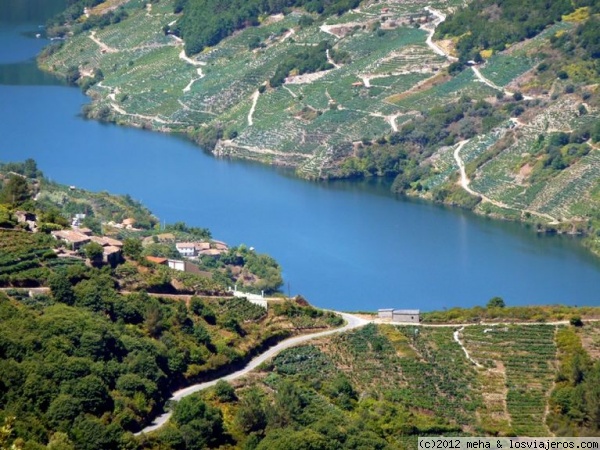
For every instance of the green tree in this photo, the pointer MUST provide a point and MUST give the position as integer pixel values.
(496, 302)
(60, 441)
(93, 224)
(30, 169)
(132, 248)
(576, 321)
(592, 395)
(61, 288)
(94, 251)
(63, 410)
(200, 424)
(225, 391)
(288, 438)
(15, 191)
(251, 415)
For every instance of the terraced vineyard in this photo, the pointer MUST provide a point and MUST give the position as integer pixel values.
(25, 258)
(389, 75)
(148, 82)
(387, 385)
(520, 365)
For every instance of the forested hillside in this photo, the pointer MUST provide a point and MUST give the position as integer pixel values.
(86, 365)
(494, 25)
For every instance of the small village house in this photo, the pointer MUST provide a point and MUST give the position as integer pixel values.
(112, 255)
(105, 241)
(176, 264)
(72, 238)
(157, 260)
(191, 249)
(186, 249)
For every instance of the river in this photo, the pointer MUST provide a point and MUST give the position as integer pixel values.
(343, 245)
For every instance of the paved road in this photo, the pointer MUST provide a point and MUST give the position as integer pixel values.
(351, 323)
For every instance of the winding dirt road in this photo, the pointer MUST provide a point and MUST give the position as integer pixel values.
(351, 323)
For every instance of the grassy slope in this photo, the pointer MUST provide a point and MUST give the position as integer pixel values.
(312, 126)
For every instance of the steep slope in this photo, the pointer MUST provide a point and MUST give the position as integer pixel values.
(383, 386)
(377, 97)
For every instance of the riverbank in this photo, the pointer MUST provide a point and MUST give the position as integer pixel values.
(242, 117)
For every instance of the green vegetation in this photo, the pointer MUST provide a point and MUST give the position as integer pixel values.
(304, 60)
(574, 404)
(26, 259)
(94, 352)
(56, 204)
(401, 153)
(105, 363)
(528, 369)
(205, 23)
(494, 25)
(356, 390)
(383, 386)
(387, 105)
(494, 312)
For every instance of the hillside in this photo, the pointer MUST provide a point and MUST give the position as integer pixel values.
(511, 134)
(32, 207)
(93, 353)
(91, 349)
(382, 386)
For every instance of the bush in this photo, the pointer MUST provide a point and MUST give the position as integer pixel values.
(576, 321)
(225, 391)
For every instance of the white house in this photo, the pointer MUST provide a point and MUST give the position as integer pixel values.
(385, 313)
(186, 248)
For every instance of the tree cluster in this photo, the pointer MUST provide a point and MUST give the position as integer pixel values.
(301, 61)
(575, 402)
(495, 24)
(400, 154)
(584, 44)
(206, 22)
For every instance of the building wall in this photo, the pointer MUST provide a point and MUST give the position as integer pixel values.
(405, 318)
(187, 251)
(384, 314)
(177, 265)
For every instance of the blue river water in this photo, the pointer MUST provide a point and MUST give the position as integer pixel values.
(343, 245)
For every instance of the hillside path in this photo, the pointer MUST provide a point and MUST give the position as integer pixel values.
(352, 323)
(105, 48)
(432, 45)
(464, 182)
(253, 107)
(493, 85)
